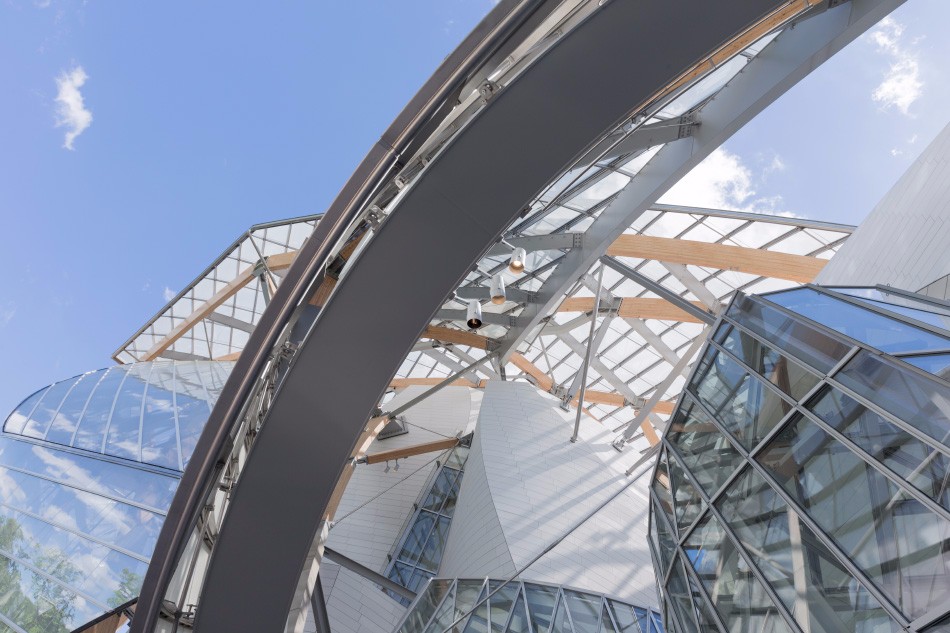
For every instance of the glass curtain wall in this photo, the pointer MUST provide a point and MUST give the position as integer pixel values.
(491, 606)
(418, 552)
(803, 485)
(88, 468)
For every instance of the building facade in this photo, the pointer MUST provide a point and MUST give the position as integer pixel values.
(803, 481)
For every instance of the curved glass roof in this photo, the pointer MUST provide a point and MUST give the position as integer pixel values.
(148, 412)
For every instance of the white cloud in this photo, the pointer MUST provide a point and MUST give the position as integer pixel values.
(168, 293)
(723, 181)
(71, 112)
(902, 85)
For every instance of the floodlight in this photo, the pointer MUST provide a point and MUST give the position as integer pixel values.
(474, 315)
(498, 289)
(516, 263)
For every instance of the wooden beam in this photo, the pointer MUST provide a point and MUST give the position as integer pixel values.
(543, 380)
(636, 308)
(400, 383)
(409, 451)
(754, 261)
(231, 356)
(459, 337)
(370, 431)
(649, 432)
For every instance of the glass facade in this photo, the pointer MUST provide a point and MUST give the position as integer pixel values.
(88, 468)
(803, 482)
(418, 552)
(491, 606)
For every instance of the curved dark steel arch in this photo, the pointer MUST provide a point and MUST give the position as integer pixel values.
(530, 131)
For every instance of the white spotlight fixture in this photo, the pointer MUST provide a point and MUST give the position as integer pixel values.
(498, 289)
(516, 263)
(473, 317)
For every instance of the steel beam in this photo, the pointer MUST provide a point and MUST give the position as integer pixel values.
(659, 289)
(361, 570)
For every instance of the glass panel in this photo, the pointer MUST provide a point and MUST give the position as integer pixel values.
(45, 411)
(159, 432)
(561, 623)
(688, 503)
(585, 611)
(432, 552)
(629, 619)
(679, 597)
(444, 616)
(417, 537)
(500, 603)
(466, 592)
(519, 618)
(815, 587)
(877, 330)
(705, 451)
(457, 458)
(796, 338)
(18, 419)
(915, 461)
(663, 488)
(936, 364)
(93, 423)
(425, 606)
(193, 407)
(705, 619)
(895, 539)
(656, 625)
(540, 605)
(664, 542)
(742, 403)
(735, 592)
(918, 401)
(606, 625)
(123, 435)
(787, 375)
(63, 427)
(478, 621)
(924, 312)
(94, 475)
(441, 489)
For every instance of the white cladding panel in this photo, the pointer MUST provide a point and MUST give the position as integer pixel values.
(367, 533)
(905, 241)
(541, 486)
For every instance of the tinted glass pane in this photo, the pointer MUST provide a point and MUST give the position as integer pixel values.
(901, 545)
(936, 364)
(540, 605)
(787, 375)
(606, 625)
(519, 618)
(445, 614)
(741, 402)
(688, 503)
(123, 429)
(193, 406)
(629, 619)
(561, 623)
(914, 460)
(815, 587)
(466, 592)
(663, 487)
(705, 451)
(704, 618)
(432, 552)
(919, 310)
(585, 611)
(500, 603)
(664, 540)
(735, 592)
(799, 339)
(478, 621)
(46, 410)
(91, 474)
(159, 431)
(18, 419)
(441, 489)
(426, 606)
(92, 427)
(921, 402)
(417, 537)
(62, 429)
(877, 330)
(678, 592)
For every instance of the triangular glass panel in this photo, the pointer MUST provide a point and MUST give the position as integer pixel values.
(425, 606)
(541, 601)
(518, 623)
(444, 616)
(625, 617)
(561, 624)
(478, 621)
(585, 611)
(606, 625)
(501, 602)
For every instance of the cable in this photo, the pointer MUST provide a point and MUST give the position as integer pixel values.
(377, 496)
(448, 437)
(547, 549)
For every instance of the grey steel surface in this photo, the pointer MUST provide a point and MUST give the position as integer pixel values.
(367, 573)
(529, 132)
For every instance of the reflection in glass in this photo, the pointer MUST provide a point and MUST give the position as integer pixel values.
(540, 605)
(902, 545)
(733, 589)
(787, 375)
(879, 331)
(915, 461)
(814, 586)
(739, 400)
(936, 364)
(704, 449)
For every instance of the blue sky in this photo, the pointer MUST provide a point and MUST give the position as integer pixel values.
(137, 140)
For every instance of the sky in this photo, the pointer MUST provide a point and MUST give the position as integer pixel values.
(138, 140)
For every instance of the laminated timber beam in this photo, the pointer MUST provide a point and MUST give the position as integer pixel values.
(401, 383)
(459, 337)
(754, 261)
(409, 451)
(636, 308)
